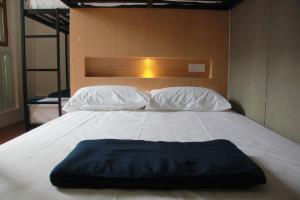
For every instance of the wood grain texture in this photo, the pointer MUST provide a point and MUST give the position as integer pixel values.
(10, 132)
(144, 67)
(117, 32)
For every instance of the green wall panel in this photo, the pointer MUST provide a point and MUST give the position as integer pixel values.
(264, 71)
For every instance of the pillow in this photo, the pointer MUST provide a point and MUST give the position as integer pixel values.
(98, 98)
(187, 98)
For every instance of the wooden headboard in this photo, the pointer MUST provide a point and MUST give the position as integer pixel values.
(149, 48)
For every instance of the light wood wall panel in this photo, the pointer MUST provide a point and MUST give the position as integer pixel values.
(150, 33)
(145, 67)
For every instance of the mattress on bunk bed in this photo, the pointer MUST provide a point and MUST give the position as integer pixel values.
(26, 162)
(53, 4)
(45, 4)
(42, 113)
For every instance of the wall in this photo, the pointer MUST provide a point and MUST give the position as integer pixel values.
(15, 114)
(248, 61)
(264, 63)
(150, 33)
(283, 113)
(41, 53)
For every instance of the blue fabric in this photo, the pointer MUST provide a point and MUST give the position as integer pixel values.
(156, 165)
(35, 99)
(64, 93)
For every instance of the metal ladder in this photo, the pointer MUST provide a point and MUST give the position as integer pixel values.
(26, 70)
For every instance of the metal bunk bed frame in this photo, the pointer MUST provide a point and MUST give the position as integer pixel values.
(196, 4)
(57, 19)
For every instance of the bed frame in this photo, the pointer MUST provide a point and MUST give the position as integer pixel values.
(57, 19)
(220, 5)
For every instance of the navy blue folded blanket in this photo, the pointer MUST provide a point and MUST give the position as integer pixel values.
(131, 164)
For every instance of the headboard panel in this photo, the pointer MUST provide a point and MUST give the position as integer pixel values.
(108, 47)
(147, 67)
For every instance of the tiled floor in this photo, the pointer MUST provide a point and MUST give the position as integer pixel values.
(10, 132)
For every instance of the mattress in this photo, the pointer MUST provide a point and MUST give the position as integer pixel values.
(27, 161)
(45, 4)
(53, 4)
(42, 113)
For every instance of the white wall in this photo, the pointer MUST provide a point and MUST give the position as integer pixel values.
(15, 114)
(41, 53)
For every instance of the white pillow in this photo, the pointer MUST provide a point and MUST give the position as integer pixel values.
(187, 98)
(98, 98)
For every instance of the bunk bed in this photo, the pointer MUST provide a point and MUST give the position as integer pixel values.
(53, 14)
(27, 161)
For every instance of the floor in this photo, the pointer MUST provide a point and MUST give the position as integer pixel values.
(10, 132)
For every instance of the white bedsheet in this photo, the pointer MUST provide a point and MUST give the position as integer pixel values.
(53, 4)
(45, 4)
(25, 162)
(42, 113)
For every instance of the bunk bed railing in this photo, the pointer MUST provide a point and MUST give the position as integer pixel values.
(48, 17)
(57, 19)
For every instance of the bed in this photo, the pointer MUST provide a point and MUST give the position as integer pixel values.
(36, 110)
(42, 113)
(26, 161)
(45, 4)
(53, 4)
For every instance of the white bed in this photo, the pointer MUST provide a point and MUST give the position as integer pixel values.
(45, 4)
(42, 113)
(25, 162)
(53, 4)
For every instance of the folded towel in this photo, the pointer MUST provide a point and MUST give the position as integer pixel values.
(156, 165)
